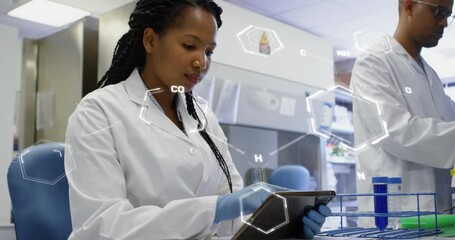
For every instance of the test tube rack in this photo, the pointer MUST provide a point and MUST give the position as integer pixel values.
(388, 233)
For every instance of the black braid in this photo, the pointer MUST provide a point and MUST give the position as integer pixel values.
(127, 55)
(192, 111)
(157, 14)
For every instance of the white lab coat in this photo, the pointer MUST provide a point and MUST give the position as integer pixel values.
(133, 180)
(419, 116)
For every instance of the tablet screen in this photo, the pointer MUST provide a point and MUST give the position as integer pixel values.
(279, 219)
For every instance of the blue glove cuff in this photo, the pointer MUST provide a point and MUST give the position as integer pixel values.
(218, 212)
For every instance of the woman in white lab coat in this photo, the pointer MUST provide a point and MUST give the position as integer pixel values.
(144, 159)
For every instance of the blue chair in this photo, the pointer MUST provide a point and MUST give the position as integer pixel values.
(294, 177)
(39, 193)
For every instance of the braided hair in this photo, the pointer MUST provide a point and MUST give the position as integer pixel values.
(129, 53)
(158, 15)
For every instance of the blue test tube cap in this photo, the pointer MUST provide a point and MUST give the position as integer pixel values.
(380, 180)
(395, 180)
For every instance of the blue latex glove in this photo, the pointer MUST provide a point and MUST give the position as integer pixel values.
(313, 220)
(228, 206)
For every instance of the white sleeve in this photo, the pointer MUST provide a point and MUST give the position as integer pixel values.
(426, 141)
(99, 203)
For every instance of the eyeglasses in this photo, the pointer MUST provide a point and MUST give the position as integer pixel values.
(440, 12)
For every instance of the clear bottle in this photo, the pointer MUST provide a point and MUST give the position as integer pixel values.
(394, 206)
(380, 202)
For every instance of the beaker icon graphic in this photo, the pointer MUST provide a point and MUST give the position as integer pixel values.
(264, 44)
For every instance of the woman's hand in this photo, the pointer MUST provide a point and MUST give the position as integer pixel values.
(313, 221)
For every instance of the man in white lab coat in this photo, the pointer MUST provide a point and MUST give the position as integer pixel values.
(419, 116)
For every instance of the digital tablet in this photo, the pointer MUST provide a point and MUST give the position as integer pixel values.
(270, 220)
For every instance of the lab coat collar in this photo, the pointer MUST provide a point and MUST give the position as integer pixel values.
(397, 47)
(425, 66)
(190, 124)
(400, 50)
(135, 87)
(137, 93)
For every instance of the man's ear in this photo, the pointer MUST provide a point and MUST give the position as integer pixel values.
(407, 7)
(149, 39)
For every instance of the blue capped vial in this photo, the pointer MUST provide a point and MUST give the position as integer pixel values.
(380, 202)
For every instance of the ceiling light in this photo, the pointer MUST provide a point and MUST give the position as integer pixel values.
(48, 13)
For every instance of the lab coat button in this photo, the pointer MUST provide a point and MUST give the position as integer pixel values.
(193, 151)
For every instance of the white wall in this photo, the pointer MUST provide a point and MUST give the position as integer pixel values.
(315, 69)
(60, 78)
(112, 26)
(10, 75)
(443, 65)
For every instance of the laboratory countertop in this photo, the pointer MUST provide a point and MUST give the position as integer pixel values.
(446, 233)
(343, 238)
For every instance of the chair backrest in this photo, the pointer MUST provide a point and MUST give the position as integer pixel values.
(294, 177)
(39, 193)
